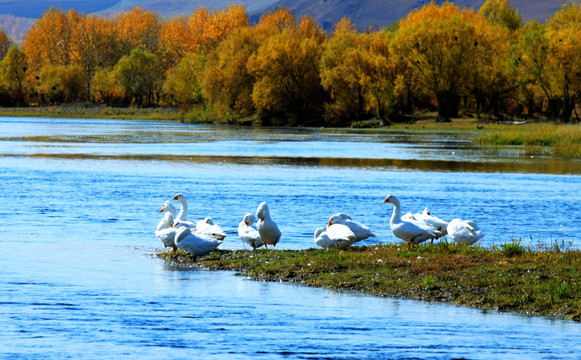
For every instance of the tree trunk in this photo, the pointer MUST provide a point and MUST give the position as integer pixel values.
(554, 108)
(448, 104)
(568, 107)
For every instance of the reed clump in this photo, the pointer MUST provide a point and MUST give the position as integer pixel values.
(540, 281)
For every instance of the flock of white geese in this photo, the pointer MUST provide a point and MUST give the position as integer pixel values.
(203, 236)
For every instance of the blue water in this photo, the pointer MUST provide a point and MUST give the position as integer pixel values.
(81, 199)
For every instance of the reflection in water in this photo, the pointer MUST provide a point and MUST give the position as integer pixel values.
(544, 166)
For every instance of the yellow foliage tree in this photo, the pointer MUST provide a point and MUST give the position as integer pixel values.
(548, 61)
(48, 42)
(286, 67)
(183, 84)
(92, 47)
(500, 12)
(136, 29)
(359, 72)
(442, 43)
(227, 82)
(13, 74)
(173, 41)
(5, 43)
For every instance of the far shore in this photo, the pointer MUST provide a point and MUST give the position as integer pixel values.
(545, 281)
(536, 137)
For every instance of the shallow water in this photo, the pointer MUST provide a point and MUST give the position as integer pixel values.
(80, 204)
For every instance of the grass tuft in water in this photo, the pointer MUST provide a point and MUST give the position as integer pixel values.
(542, 280)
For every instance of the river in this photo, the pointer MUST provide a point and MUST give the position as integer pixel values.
(79, 278)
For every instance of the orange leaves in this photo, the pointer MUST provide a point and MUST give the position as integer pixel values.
(286, 68)
(136, 28)
(209, 28)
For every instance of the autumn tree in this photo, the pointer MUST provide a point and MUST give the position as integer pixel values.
(13, 74)
(5, 43)
(564, 62)
(286, 67)
(92, 47)
(136, 29)
(174, 42)
(338, 76)
(183, 84)
(273, 23)
(442, 43)
(105, 87)
(48, 42)
(227, 83)
(548, 61)
(137, 76)
(359, 73)
(500, 12)
(61, 83)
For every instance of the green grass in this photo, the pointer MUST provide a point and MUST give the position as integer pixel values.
(542, 281)
(90, 111)
(561, 141)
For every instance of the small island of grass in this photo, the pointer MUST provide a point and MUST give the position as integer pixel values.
(542, 281)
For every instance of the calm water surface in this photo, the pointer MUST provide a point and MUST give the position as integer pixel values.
(78, 279)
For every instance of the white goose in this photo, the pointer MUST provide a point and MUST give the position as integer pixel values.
(267, 228)
(464, 232)
(193, 244)
(167, 206)
(166, 232)
(322, 239)
(435, 221)
(360, 231)
(182, 218)
(183, 215)
(207, 227)
(335, 235)
(412, 232)
(247, 233)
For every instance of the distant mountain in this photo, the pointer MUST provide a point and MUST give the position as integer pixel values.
(382, 13)
(362, 13)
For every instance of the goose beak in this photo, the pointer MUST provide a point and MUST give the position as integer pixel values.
(246, 222)
(386, 199)
(330, 223)
(161, 210)
(175, 197)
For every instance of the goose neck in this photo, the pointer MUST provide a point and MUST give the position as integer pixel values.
(396, 215)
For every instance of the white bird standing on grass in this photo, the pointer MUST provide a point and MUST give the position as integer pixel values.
(412, 232)
(247, 233)
(267, 228)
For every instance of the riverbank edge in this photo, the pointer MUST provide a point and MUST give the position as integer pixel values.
(542, 282)
(535, 137)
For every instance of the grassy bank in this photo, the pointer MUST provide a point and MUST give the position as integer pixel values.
(544, 281)
(90, 111)
(561, 141)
